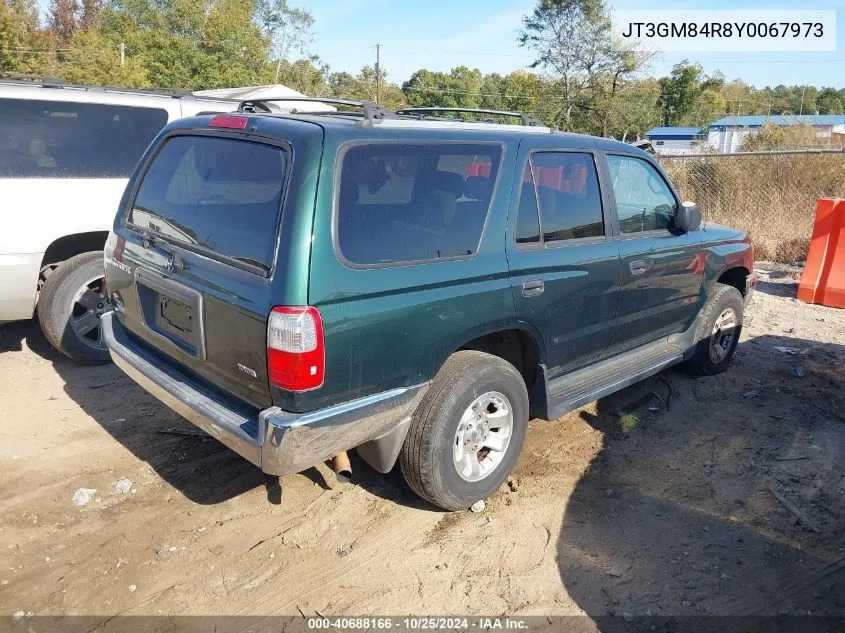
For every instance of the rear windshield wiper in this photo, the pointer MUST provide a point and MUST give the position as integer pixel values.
(253, 262)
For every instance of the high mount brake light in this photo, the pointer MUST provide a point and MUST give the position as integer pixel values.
(228, 122)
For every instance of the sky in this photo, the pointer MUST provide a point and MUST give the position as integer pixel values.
(442, 34)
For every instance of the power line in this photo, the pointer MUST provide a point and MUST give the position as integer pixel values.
(446, 50)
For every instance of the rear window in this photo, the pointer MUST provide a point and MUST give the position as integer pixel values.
(223, 195)
(57, 139)
(410, 202)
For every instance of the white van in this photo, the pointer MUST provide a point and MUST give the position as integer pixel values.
(66, 153)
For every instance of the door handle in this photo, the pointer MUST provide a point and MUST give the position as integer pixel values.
(638, 266)
(532, 288)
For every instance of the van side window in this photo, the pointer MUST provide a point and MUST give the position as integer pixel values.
(63, 139)
(644, 202)
(403, 202)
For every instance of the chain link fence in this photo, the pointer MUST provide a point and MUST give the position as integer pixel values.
(772, 195)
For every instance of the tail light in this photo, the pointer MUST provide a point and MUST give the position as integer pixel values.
(296, 358)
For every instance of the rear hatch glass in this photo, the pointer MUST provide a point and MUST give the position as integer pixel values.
(217, 194)
(210, 208)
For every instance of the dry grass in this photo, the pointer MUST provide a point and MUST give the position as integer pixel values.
(773, 197)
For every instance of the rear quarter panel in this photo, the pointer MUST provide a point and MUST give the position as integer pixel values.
(395, 326)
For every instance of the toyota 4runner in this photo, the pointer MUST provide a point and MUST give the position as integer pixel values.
(299, 285)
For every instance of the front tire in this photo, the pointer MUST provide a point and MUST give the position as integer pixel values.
(718, 335)
(71, 303)
(468, 431)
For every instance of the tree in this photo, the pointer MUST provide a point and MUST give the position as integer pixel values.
(829, 102)
(94, 60)
(287, 27)
(12, 40)
(516, 91)
(308, 76)
(571, 40)
(679, 91)
(635, 110)
(363, 87)
(63, 18)
(25, 49)
(89, 13)
(189, 44)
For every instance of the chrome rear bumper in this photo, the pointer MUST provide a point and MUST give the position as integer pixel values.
(284, 442)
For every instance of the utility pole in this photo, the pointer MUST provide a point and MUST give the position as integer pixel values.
(801, 111)
(378, 73)
(122, 53)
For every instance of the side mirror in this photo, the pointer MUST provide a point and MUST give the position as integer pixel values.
(688, 217)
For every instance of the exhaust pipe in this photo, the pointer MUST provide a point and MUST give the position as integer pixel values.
(342, 468)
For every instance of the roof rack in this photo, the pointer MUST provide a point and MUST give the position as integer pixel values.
(526, 119)
(56, 83)
(369, 110)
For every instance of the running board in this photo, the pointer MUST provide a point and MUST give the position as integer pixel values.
(574, 390)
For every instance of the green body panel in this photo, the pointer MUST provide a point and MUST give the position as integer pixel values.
(394, 326)
(574, 314)
(667, 297)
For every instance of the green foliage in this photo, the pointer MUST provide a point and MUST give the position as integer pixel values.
(829, 101)
(572, 42)
(92, 59)
(776, 137)
(580, 79)
(189, 44)
(679, 91)
(287, 27)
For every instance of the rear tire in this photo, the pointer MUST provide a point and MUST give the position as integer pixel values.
(719, 331)
(467, 433)
(71, 303)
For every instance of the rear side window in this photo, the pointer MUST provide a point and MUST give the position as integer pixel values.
(58, 139)
(562, 189)
(411, 202)
(223, 195)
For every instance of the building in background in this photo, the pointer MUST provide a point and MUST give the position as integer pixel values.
(726, 135)
(676, 140)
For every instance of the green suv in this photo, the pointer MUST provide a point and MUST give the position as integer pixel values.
(411, 286)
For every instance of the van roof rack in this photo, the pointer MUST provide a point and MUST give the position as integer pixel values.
(56, 83)
(423, 112)
(369, 110)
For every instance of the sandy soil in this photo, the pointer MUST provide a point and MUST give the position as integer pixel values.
(624, 506)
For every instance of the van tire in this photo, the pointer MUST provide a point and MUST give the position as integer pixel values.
(711, 357)
(64, 318)
(428, 460)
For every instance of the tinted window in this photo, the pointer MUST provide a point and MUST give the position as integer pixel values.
(527, 218)
(56, 139)
(409, 202)
(221, 194)
(568, 195)
(643, 200)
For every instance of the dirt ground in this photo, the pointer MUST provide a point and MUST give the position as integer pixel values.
(625, 506)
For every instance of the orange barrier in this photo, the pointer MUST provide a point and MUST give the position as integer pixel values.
(823, 280)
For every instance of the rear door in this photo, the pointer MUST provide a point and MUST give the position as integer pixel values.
(662, 269)
(201, 237)
(564, 263)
